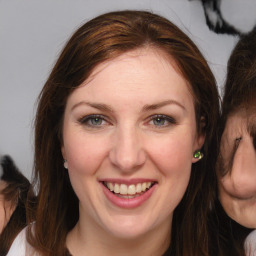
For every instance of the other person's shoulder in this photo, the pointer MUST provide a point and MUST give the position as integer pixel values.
(250, 244)
(20, 246)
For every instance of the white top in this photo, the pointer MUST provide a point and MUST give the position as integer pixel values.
(250, 244)
(20, 246)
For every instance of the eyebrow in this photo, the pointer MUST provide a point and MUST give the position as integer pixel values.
(162, 104)
(106, 108)
(99, 106)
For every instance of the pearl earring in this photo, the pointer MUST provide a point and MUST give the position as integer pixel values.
(65, 164)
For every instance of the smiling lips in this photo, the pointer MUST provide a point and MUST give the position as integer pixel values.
(128, 195)
(131, 189)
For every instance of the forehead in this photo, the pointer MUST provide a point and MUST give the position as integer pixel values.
(130, 83)
(150, 54)
(134, 69)
(244, 118)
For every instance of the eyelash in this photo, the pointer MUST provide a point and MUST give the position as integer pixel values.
(167, 121)
(85, 120)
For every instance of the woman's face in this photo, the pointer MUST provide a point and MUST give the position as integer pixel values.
(129, 134)
(238, 158)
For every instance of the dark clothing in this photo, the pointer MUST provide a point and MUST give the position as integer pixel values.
(167, 253)
(226, 235)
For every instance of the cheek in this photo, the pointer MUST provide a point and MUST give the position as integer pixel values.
(173, 159)
(85, 154)
(171, 151)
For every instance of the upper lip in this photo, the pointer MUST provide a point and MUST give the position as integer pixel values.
(127, 181)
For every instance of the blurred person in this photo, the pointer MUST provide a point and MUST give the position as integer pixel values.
(14, 188)
(236, 165)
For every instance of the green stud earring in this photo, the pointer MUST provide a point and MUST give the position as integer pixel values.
(198, 154)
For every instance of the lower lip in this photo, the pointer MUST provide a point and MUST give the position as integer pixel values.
(128, 203)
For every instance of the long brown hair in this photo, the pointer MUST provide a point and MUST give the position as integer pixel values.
(103, 38)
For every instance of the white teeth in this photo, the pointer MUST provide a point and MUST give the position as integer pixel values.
(123, 189)
(110, 186)
(144, 186)
(132, 189)
(138, 188)
(116, 188)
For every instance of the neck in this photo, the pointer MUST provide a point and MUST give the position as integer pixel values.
(87, 239)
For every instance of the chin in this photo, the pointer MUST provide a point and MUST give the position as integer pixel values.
(129, 228)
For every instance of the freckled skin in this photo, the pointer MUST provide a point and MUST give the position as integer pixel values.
(128, 144)
(237, 189)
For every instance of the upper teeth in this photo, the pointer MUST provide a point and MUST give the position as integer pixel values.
(131, 189)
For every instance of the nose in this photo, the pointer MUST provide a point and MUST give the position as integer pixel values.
(243, 173)
(127, 152)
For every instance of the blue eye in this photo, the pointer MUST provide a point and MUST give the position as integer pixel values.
(159, 121)
(162, 121)
(93, 121)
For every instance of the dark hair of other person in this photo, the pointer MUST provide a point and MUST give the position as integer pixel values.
(101, 39)
(240, 87)
(239, 94)
(16, 192)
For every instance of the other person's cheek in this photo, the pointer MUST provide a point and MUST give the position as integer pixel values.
(237, 188)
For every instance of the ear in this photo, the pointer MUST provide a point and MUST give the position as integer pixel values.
(199, 140)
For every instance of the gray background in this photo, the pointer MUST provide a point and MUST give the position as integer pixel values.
(33, 32)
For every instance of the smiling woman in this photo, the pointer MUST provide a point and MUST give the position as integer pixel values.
(121, 123)
(128, 144)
